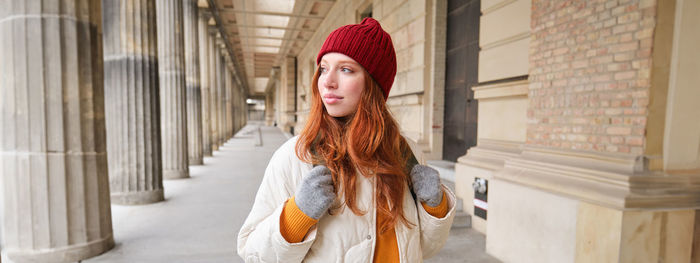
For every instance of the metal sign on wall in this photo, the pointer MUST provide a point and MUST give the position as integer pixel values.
(481, 206)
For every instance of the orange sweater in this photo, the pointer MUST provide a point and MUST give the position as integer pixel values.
(294, 225)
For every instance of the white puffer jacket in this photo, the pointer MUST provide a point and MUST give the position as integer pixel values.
(341, 237)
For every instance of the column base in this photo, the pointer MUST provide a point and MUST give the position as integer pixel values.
(138, 198)
(72, 253)
(176, 174)
(199, 161)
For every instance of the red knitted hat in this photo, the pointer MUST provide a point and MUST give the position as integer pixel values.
(369, 45)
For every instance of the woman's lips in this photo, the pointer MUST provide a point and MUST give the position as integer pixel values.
(331, 98)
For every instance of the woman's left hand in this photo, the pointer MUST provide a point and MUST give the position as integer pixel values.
(426, 184)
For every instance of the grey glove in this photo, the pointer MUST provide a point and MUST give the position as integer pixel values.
(426, 185)
(315, 193)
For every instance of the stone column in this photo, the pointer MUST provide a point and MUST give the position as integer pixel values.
(239, 106)
(232, 108)
(213, 88)
(232, 112)
(221, 79)
(53, 160)
(132, 103)
(240, 109)
(234, 105)
(171, 70)
(227, 103)
(204, 80)
(269, 108)
(194, 100)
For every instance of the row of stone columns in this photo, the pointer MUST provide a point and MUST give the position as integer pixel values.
(156, 101)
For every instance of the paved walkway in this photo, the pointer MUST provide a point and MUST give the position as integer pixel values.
(200, 219)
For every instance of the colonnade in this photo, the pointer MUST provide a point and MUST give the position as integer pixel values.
(100, 101)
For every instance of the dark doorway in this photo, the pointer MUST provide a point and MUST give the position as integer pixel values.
(461, 75)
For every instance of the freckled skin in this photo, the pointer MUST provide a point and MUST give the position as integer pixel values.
(340, 84)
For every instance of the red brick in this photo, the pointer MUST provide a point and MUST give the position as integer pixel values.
(619, 130)
(634, 140)
(625, 75)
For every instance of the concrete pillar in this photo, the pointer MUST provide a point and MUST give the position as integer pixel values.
(131, 100)
(219, 94)
(194, 100)
(269, 108)
(241, 108)
(204, 80)
(213, 94)
(227, 104)
(222, 99)
(234, 97)
(236, 102)
(171, 70)
(230, 106)
(53, 160)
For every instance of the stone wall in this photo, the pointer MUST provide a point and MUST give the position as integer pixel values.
(590, 64)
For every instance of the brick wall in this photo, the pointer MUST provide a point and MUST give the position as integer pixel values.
(590, 65)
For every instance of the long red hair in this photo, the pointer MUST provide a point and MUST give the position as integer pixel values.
(368, 140)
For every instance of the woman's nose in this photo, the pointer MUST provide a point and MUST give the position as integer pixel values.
(329, 80)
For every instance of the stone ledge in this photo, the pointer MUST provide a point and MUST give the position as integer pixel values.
(507, 89)
(490, 154)
(618, 182)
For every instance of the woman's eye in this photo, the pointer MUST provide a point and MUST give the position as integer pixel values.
(322, 69)
(347, 70)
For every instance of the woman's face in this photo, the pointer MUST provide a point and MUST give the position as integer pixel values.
(340, 83)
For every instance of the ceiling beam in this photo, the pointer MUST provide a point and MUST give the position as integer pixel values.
(255, 45)
(276, 27)
(229, 10)
(266, 37)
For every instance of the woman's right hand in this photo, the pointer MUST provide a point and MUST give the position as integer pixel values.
(315, 194)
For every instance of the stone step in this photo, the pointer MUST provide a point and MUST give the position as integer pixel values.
(447, 171)
(462, 220)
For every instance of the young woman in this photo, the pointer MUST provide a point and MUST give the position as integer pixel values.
(348, 188)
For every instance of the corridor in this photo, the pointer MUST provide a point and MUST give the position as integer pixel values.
(200, 217)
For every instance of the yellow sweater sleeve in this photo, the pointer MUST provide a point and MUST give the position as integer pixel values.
(294, 224)
(440, 210)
